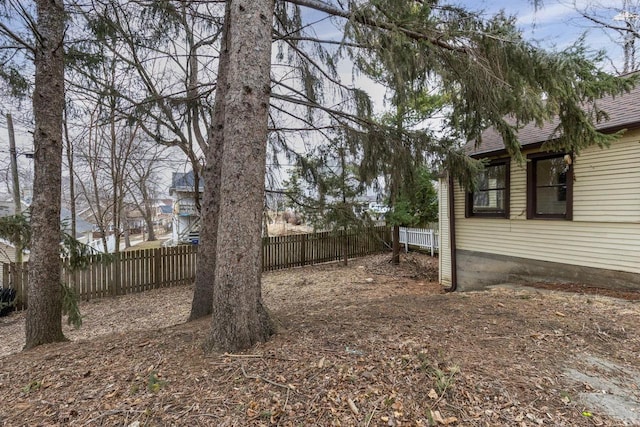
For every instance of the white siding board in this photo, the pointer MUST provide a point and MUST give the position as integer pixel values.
(444, 251)
(619, 184)
(603, 253)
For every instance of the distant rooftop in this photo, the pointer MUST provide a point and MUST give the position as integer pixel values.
(185, 182)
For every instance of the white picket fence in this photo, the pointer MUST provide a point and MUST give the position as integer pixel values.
(421, 237)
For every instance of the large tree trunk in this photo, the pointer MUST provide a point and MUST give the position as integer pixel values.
(202, 303)
(44, 315)
(151, 232)
(239, 319)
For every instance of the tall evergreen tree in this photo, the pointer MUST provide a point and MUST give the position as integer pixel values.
(239, 318)
(44, 313)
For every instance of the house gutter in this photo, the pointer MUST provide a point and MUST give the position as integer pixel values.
(452, 237)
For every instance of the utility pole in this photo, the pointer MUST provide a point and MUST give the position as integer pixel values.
(16, 183)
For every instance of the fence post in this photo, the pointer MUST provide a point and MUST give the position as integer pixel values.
(431, 241)
(5, 274)
(406, 239)
(303, 249)
(18, 282)
(117, 274)
(157, 265)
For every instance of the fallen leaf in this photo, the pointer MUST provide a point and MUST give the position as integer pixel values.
(437, 417)
(353, 407)
(433, 394)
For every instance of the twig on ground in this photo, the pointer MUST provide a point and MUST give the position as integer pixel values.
(244, 356)
(284, 407)
(112, 412)
(258, 356)
(373, 412)
(266, 380)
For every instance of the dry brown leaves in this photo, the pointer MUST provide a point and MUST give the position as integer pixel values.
(365, 345)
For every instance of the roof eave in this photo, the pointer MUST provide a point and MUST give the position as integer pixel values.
(538, 144)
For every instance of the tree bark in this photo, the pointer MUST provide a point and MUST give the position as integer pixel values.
(239, 319)
(17, 199)
(72, 176)
(202, 304)
(395, 255)
(44, 313)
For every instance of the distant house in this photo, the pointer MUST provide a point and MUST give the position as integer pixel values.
(560, 217)
(83, 233)
(164, 213)
(7, 249)
(84, 229)
(186, 216)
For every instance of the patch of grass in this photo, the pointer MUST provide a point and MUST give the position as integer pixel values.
(443, 377)
(32, 386)
(155, 384)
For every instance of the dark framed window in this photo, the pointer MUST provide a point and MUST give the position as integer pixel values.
(550, 186)
(491, 197)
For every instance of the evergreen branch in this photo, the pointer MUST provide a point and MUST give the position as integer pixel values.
(19, 40)
(309, 60)
(306, 102)
(368, 21)
(286, 37)
(304, 120)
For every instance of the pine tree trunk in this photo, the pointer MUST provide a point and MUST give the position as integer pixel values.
(395, 256)
(44, 314)
(239, 319)
(210, 208)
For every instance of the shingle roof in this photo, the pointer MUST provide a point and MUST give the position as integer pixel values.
(82, 226)
(623, 111)
(184, 182)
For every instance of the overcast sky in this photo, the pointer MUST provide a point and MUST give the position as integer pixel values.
(556, 24)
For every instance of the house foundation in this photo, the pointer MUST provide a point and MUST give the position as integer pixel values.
(478, 270)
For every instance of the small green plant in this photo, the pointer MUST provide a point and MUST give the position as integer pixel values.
(32, 386)
(70, 306)
(155, 384)
(430, 420)
(443, 378)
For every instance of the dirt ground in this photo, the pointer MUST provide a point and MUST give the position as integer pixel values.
(365, 345)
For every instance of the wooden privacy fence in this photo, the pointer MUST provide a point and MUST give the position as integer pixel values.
(311, 248)
(117, 274)
(145, 269)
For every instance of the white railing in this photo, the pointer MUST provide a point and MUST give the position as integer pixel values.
(421, 237)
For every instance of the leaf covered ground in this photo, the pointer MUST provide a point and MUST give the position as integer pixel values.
(370, 344)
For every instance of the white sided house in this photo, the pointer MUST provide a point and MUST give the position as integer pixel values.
(186, 217)
(559, 217)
